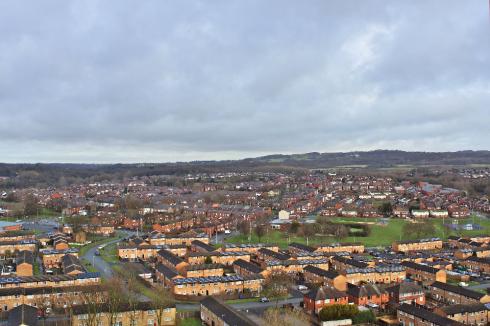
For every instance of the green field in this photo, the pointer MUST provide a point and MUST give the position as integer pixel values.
(381, 235)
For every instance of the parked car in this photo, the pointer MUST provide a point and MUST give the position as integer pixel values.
(302, 287)
(264, 299)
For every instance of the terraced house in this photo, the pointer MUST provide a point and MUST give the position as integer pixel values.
(217, 257)
(142, 314)
(417, 245)
(216, 285)
(453, 294)
(380, 274)
(423, 273)
(294, 267)
(316, 275)
(468, 314)
(56, 296)
(410, 315)
(50, 280)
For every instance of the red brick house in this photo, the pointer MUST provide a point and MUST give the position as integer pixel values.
(316, 299)
(367, 294)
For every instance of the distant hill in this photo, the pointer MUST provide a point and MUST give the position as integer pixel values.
(20, 175)
(378, 158)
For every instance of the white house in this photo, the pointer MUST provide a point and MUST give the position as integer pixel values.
(283, 215)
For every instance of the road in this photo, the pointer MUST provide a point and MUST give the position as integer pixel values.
(256, 306)
(480, 286)
(101, 265)
(216, 239)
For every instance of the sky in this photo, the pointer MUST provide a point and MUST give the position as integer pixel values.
(164, 81)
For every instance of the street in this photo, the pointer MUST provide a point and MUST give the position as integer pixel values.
(97, 262)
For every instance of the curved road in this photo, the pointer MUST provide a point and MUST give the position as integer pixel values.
(101, 265)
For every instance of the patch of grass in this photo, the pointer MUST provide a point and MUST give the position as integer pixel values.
(190, 322)
(36, 269)
(109, 253)
(88, 266)
(242, 300)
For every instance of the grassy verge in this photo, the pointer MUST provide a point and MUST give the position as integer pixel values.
(88, 266)
(109, 253)
(242, 300)
(140, 286)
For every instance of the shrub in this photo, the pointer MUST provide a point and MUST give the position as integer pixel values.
(364, 317)
(338, 312)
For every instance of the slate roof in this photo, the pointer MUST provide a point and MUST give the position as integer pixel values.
(427, 315)
(170, 257)
(301, 247)
(276, 255)
(248, 266)
(202, 245)
(321, 272)
(226, 313)
(24, 257)
(420, 267)
(364, 290)
(463, 308)
(325, 292)
(465, 292)
(23, 315)
(166, 271)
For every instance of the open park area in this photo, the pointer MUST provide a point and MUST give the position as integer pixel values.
(382, 232)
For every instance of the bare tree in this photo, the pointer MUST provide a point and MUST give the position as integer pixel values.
(132, 297)
(161, 300)
(115, 298)
(260, 231)
(285, 317)
(276, 286)
(93, 302)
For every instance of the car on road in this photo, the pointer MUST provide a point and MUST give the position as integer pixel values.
(302, 288)
(97, 253)
(264, 299)
(227, 232)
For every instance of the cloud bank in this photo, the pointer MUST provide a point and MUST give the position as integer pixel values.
(153, 81)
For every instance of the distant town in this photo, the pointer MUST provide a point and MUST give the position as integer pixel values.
(332, 246)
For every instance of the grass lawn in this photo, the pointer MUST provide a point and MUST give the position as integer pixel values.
(35, 266)
(190, 322)
(109, 253)
(88, 266)
(242, 300)
(381, 235)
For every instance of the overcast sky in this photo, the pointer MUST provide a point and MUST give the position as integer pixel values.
(154, 81)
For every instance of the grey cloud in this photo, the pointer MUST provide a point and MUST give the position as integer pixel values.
(159, 81)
